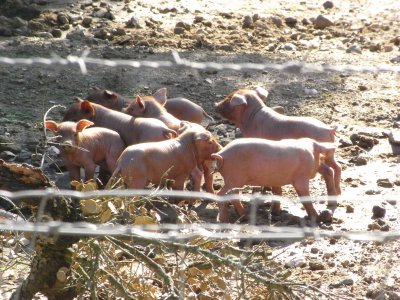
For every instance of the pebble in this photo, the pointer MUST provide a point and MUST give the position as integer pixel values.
(349, 209)
(277, 21)
(314, 250)
(378, 211)
(354, 49)
(291, 22)
(7, 155)
(86, 22)
(395, 59)
(316, 265)
(311, 92)
(394, 137)
(328, 4)
(57, 33)
(385, 182)
(344, 282)
(325, 216)
(372, 192)
(76, 35)
(248, 22)
(374, 226)
(184, 25)
(133, 22)
(289, 47)
(179, 30)
(322, 22)
(360, 160)
(345, 142)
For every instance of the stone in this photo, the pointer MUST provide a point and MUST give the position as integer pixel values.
(349, 209)
(277, 21)
(133, 22)
(198, 19)
(378, 211)
(325, 216)
(315, 265)
(374, 226)
(76, 35)
(86, 22)
(7, 155)
(360, 160)
(394, 137)
(179, 30)
(289, 47)
(385, 182)
(57, 33)
(247, 22)
(184, 25)
(62, 19)
(328, 4)
(322, 22)
(354, 49)
(314, 250)
(291, 22)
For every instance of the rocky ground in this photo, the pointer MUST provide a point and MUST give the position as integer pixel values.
(364, 106)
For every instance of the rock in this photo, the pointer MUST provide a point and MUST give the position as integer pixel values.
(387, 48)
(179, 30)
(372, 192)
(354, 49)
(277, 21)
(315, 265)
(63, 19)
(289, 47)
(363, 141)
(184, 25)
(198, 19)
(328, 4)
(76, 35)
(311, 92)
(374, 226)
(247, 22)
(375, 47)
(133, 22)
(349, 209)
(345, 142)
(325, 216)
(314, 250)
(360, 160)
(378, 211)
(57, 33)
(102, 34)
(46, 35)
(362, 87)
(395, 59)
(385, 182)
(86, 22)
(385, 227)
(322, 22)
(291, 22)
(344, 282)
(7, 156)
(394, 137)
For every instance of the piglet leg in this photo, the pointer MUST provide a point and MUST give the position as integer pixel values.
(328, 175)
(276, 205)
(302, 189)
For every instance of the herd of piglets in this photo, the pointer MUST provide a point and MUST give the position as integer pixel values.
(156, 140)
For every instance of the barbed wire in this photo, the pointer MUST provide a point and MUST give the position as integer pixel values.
(296, 67)
(188, 231)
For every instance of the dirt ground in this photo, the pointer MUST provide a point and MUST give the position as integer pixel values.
(364, 106)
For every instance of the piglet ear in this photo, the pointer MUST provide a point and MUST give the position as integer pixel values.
(140, 102)
(87, 107)
(201, 136)
(82, 124)
(238, 99)
(111, 95)
(262, 93)
(161, 96)
(53, 126)
(78, 100)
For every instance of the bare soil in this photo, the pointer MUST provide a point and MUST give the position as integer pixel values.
(364, 104)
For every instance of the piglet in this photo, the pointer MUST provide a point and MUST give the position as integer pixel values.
(181, 108)
(153, 107)
(261, 162)
(172, 159)
(246, 109)
(86, 147)
(107, 98)
(132, 130)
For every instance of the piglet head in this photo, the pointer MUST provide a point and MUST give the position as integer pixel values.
(136, 108)
(161, 96)
(206, 144)
(83, 109)
(68, 133)
(233, 106)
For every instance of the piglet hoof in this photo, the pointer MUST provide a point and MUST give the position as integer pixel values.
(325, 217)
